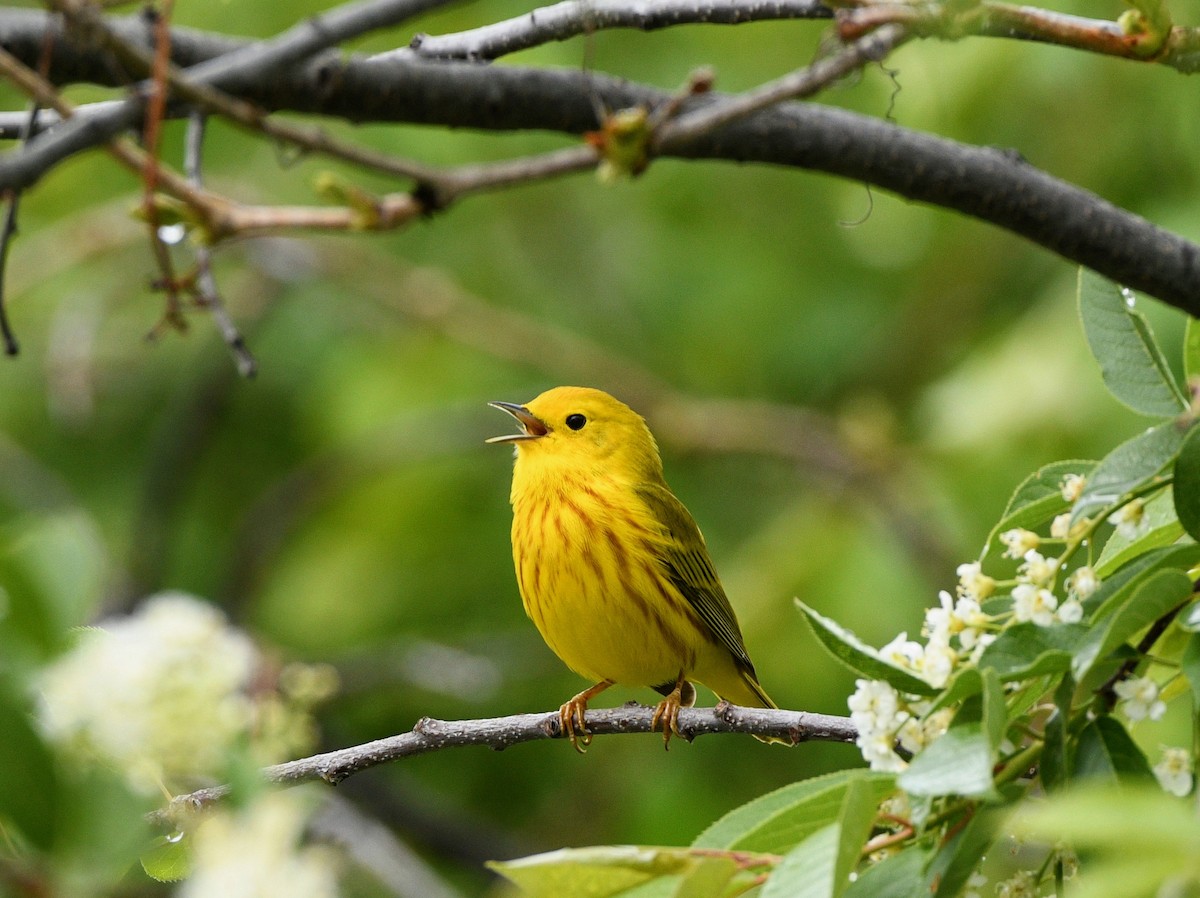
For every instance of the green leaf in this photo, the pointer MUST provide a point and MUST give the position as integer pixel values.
(1115, 590)
(968, 681)
(1131, 466)
(860, 657)
(1037, 500)
(820, 866)
(1163, 529)
(102, 825)
(1105, 751)
(708, 878)
(1055, 763)
(598, 872)
(1189, 618)
(1027, 650)
(1187, 483)
(1135, 839)
(961, 761)
(1191, 349)
(899, 876)
(962, 855)
(1158, 594)
(778, 821)
(1190, 665)
(54, 571)
(1131, 364)
(29, 783)
(169, 859)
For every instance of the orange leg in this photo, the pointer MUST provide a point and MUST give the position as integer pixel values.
(666, 713)
(570, 716)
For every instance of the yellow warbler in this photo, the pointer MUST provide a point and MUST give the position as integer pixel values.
(611, 567)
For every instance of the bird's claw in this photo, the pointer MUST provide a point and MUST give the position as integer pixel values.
(571, 720)
(666, 715)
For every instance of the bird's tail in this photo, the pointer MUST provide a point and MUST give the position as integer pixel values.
(762, 699)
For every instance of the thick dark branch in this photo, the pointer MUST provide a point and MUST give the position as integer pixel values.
(988, 184)
(571, 18)
(499, 733)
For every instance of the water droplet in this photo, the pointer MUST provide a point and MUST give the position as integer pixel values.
(172, 234)
(1130, 299)
(175, 837)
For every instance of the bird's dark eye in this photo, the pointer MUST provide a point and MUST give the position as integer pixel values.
(576, 421)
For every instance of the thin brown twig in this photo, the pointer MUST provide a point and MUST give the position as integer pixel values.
(204, 283)
(886, 840)
(151, 142)
(1177, 47)
(801, 83)
(127, 153)
(746, 860)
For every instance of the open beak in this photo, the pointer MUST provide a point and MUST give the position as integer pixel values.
(531, 427)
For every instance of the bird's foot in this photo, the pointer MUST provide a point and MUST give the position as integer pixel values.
(571, 717)
(666, 713)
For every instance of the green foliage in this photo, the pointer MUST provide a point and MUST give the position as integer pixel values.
(1139, 838)
(596, 872)
(777, 822)
(1187, 484)
(1133, 467)
(860, 657)
(1131, 363)
(169, 859)
(29, 790)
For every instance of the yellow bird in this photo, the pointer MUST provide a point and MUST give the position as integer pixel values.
(611, 567)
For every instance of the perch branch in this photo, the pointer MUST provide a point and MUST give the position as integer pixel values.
(499, 733)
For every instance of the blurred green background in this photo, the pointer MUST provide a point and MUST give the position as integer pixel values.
(343, 507)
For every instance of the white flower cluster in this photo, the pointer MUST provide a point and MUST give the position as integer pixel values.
(1131, 520)
(1138, 698)
(975, 885)
(1022, 884)
(1175, 771)
(957, 631)
(884, 717)
(159, 695)
(255, 853)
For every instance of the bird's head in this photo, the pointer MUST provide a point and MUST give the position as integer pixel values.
(582, 428)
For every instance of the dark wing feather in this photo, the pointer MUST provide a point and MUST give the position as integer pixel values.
(685, 561)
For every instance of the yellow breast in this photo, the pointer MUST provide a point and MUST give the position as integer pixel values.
(591, 581)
